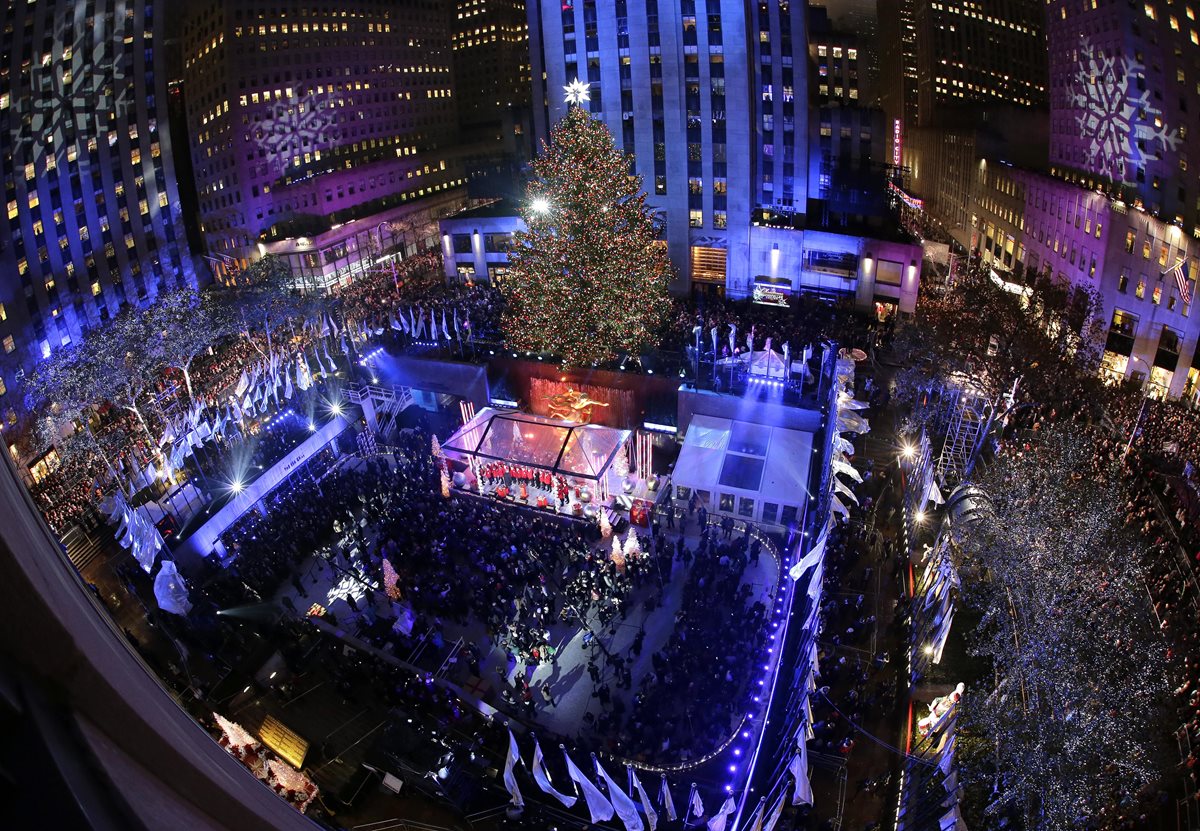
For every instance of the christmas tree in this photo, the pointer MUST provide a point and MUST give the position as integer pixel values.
(588, 280)
(390, 579)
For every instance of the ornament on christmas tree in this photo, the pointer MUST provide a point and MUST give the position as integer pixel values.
(605, 525)
(587, 281)
(618, 556)
(390, 579)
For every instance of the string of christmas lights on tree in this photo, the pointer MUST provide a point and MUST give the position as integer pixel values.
(588, 280)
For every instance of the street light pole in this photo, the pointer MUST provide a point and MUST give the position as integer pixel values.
(1141, 411)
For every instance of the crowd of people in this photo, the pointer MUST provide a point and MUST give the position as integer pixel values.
(804, 322)
(524, 575)
(699, 684)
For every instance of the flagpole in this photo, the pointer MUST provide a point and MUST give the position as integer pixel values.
(687, 811)
(563, 748)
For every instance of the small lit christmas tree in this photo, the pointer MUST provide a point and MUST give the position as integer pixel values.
(633, 547)
(588, 280)
(445, 484)
(605, 525)
(618, 556)
(435, 447)
(390, 579)
(621, 464)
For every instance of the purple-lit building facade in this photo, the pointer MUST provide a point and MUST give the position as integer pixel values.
(1135, 261)
(303, 118)
(90, 192)
(1123, 101)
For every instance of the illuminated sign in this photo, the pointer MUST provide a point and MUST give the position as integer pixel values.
(897, 143)
(770, 296)
(912, 201)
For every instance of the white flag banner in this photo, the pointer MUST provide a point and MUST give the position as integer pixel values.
(665, 800)
(621, 803)
(170, 591)
(848, 421)
(814, 556)
(697, 806)
(799, 769)
(647, 805)
(838, 507)
(816, 581)
(843, 488)
(777, 811)
(599, 807)
(304, 378)
(756, 822)
(943, 634)
(952, 820)
(542, 777)
(841, 467)
(510, 779)
(947, 760)
(719, 821)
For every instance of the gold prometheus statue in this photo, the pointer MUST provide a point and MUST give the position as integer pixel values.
(572, 405)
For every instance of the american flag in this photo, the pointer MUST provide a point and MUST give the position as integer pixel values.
(1182, 279)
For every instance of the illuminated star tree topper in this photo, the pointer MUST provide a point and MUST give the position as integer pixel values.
(578, 92)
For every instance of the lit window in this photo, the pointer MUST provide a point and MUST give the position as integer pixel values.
(9, 344)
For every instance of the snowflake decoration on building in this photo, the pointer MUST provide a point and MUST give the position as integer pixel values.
(1119, 118)
(71, 89)
(300, 125)
(578, 92)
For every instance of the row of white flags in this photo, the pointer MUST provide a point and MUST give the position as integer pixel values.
(137, 532)
(636, 809)
(265, 385)
(416, 326)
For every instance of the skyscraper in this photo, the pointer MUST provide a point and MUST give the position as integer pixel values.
(86, 161)
(491, 61)
(978, 51)
(1123, 104)
(304, 118)
(981, 89)
(898, 62)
